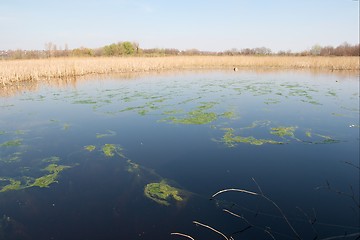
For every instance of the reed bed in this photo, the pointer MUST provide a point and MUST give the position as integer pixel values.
(16, 71)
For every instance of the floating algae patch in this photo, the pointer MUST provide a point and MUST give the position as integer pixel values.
(109, 134)
(283, 131)
(2, 132)
(14, 157)
(48, 179)
(228, 115)
(163, 193)
(52, 159)
(90, 148)
(12, 143)
(133, 167)
(10, 184)
(66, 126)
(86, 101)
(110, 149)
(321, 139)
(230, 139)
(19, 132)
(196, 117)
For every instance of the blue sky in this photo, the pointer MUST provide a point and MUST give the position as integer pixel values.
(213, 25)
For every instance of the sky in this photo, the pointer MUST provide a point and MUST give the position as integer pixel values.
(207, 25)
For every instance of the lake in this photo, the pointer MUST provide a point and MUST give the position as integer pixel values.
(140, 157)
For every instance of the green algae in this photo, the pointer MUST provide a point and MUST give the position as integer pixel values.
(132, 167)
(47, 180)
(11, 186)
(53, 159)
(196, 117)
(324, 139)
(230, 139)
(109, 134)
(283, 131)
(2, 132)
(110, 149)
(87, 101)
(90, 148)
(20, 132)
(14, 157)
(228, 115)
(162, 193)
(66, 126)
(12, 143)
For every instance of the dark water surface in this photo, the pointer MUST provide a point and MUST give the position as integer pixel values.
(295, 133)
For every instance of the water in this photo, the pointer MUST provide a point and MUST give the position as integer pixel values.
(197, 132)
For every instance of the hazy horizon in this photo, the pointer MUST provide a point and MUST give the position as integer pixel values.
(204, 25)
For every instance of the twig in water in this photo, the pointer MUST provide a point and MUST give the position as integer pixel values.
(352, 195)
(351, 164)
(268, 232)
(263, 196)
(343, 236)
(310, 220)
(183, 235)
(212, 229)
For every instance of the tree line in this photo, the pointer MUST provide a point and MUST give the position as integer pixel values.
(132, 49)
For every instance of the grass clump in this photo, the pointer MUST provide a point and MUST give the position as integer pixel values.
(162, 193)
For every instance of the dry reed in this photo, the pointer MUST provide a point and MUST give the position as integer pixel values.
(15, 71)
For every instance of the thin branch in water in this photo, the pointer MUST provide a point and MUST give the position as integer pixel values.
(240, 231)
(212, 229)
(234, 190)
(343, 236)
(268, 232)
(258, 186)
(331, 189)
(183, 235)
(236, 215)
(310, 221)
(266, 198)
(351, 164)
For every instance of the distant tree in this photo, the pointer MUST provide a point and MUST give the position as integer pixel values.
(315, 50)
(128, 48)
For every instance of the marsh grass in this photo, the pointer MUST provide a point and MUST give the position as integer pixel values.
(15, 71)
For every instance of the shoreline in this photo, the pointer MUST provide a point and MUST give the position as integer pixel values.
(14, 72)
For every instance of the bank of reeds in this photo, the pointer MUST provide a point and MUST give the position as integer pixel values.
(15, 71)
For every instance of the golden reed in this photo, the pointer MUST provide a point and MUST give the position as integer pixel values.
(12, 72)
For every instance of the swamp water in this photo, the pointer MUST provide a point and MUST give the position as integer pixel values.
(140, 158)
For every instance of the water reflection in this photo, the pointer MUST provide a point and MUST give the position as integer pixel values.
(95, 156)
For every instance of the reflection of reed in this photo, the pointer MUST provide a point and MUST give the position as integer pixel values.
(15, 71)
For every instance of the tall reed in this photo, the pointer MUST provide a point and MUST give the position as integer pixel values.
(15, 71)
